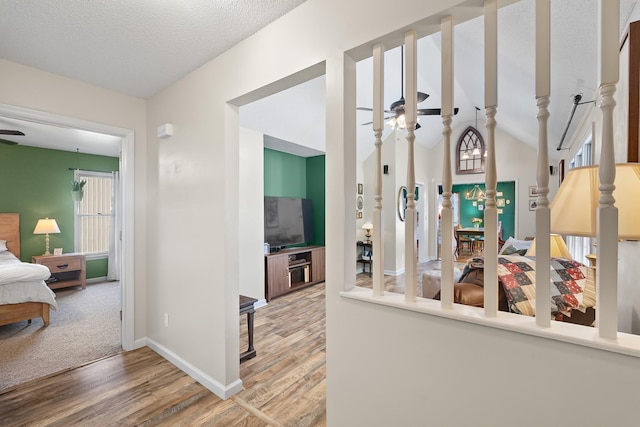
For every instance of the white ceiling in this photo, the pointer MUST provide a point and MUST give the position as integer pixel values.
(125, 46)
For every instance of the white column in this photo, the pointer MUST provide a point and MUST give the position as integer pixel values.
(543, 213)
(378, 213)
(607, 272)
(410, 107)
(490, 212)
(446, 287)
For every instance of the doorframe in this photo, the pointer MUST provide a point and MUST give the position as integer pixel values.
(127, 182)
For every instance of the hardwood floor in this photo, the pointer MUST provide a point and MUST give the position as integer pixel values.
(284, 384)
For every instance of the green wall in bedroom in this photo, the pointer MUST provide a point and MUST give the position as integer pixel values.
(508, 215)
(288, 175)
(37, 184)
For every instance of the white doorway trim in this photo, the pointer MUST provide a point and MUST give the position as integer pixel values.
(127, 176)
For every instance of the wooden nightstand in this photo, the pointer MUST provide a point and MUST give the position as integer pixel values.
(66, 270)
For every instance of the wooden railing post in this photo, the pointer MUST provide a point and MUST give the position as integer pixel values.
(378, 213)
(490, 212)
(410, 109)
(543, 213)
(446, 288)
(607, 271)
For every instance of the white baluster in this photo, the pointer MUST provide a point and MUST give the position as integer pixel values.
(543, 213)
(378, 214)
(446, 288)
(607, 272)
(490, 212)
(410, 107)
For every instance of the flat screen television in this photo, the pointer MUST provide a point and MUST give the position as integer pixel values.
(287, 221)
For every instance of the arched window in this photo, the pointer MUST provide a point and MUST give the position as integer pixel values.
(470, 152)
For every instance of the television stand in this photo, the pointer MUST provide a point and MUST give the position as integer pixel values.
(292, 269)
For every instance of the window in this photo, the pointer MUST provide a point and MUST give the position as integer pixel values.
(94, 213)
(470, 152)
(581, 246)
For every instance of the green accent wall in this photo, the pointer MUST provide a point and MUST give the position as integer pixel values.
(316, 192)
(37, 184)
(508, 215)
(288, 175)
(285, 175)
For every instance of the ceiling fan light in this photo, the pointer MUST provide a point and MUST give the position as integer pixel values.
(391, 122)
(465, 155)
(402, 122)
(476, 151)
(485, 153)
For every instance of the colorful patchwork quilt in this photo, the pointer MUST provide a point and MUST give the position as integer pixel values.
(517, 277)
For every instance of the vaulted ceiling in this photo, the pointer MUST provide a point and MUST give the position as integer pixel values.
(140, 47)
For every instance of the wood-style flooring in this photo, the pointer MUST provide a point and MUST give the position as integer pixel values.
(284, 384)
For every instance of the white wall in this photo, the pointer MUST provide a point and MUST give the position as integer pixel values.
(251, 213)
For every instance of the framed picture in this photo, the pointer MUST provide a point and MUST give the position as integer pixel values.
(359, 214)
(500, 211)
(533, 204)
(480, 207)
(561, 172)
(359, 203)
(360, 188)
(500, 203)
(533, 191)
(57, 251)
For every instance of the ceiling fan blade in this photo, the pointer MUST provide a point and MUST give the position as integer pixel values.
(6, 141)
(11, 132)
(433, 111)
(368, 123)
(422, 96)
(364, 108)
(429, 112)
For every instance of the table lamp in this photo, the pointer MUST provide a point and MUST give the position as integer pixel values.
(367, 227)
(574, 208)
(558, 248)
(46, 226)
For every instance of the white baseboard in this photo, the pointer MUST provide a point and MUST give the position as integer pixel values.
(96, 280)
(260, 303)
(394, 273)
(223, 392)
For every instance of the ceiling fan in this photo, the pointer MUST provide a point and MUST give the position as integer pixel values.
(12, 133)
(397, 108)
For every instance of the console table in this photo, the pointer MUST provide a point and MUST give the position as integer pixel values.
(366, 256)
(246, 306)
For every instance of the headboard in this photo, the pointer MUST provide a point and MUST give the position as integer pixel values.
(10, 231)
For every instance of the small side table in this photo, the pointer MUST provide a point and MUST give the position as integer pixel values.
(246, 306)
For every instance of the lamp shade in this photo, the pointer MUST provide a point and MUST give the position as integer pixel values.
(46, 226)
(558, 248)
(367, 226)
(574, 208)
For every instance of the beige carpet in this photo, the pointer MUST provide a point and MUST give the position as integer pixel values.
(85, 327)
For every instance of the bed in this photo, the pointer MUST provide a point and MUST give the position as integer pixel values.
(24, 295)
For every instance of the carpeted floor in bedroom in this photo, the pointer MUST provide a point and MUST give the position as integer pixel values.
(85, 327)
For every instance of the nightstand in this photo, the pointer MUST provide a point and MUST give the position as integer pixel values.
(66, 270)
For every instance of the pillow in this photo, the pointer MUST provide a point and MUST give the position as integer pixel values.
(3, 245)
(519, 245)
(512, 250)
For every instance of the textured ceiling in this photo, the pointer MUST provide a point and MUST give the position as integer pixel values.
(136, 47)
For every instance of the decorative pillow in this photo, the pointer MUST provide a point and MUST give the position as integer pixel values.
(512, 250)
(3, 245)
(519, 245)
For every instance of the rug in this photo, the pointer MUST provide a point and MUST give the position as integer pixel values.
(85, 327)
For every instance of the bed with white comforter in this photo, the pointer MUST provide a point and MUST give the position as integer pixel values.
(23, 282)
